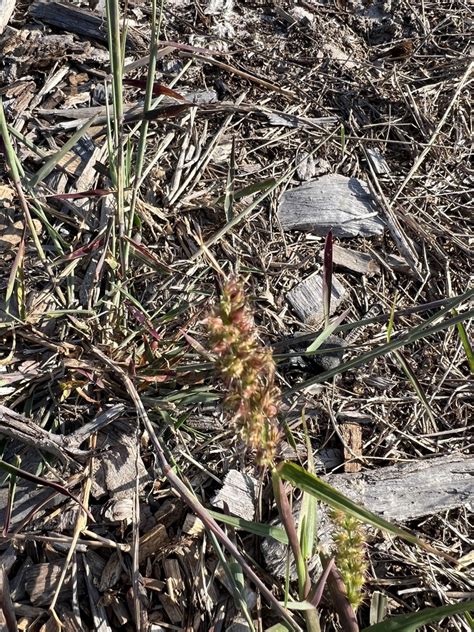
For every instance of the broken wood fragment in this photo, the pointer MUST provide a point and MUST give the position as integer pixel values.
(6, 10)
(332, 202)
(42, 580)
(16, 426)
(355, 261)
(378, 162)
(7, 612)
(115, 473)
(67, 17)
(306, 298)
(173, 609)
(442, 483)
(152, 541)
(237, 495)
(351, 434)
(192, 525)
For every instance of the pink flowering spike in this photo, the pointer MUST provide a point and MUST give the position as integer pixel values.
(248, 372)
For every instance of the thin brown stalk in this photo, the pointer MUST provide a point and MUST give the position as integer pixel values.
(187, 496)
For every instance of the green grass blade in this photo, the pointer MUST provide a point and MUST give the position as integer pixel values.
(155, 27)
(240, 216)
(257, 528)
(312, 484)
(252, 206)
(343, 139)
(308, 518)
(413, 621)
(391, 320)
(415, 384)
(256, 187)
(235, 577)
(466, 344)
(413, 336)
(407, 368)
(327, 331)
(10, 152)
(116, 158)
(445, 306)
(52, 162)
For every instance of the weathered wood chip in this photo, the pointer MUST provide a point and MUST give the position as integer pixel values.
(237, 495)
(310, 167)
(173, 609)
(8, 558)
(7, 612)
(378, 162)
(335, 202)
(352, 260)
(6, 194)
(41, 582)
(174, 579)
(116, 471)
(111, 572)
(67, 17)
(6, 9)
(192, 525)
(352, 437)
(120, 510)
(10, 234)
(441, 483)
(306, 298)
(152, 541)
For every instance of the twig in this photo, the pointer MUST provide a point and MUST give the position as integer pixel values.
(242, 74)
(438, 129)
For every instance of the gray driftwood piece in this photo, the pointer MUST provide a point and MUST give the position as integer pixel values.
(67, 17)
(237, 495)
(397, 493)
(378, 162)
(24, 433)
(335, 202)
(306, 298)
(6, 9)
(411, 490)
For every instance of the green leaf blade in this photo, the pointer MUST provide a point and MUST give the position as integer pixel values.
(413, 621)
(312, 484)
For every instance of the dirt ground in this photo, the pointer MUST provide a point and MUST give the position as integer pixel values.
(285, 93)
